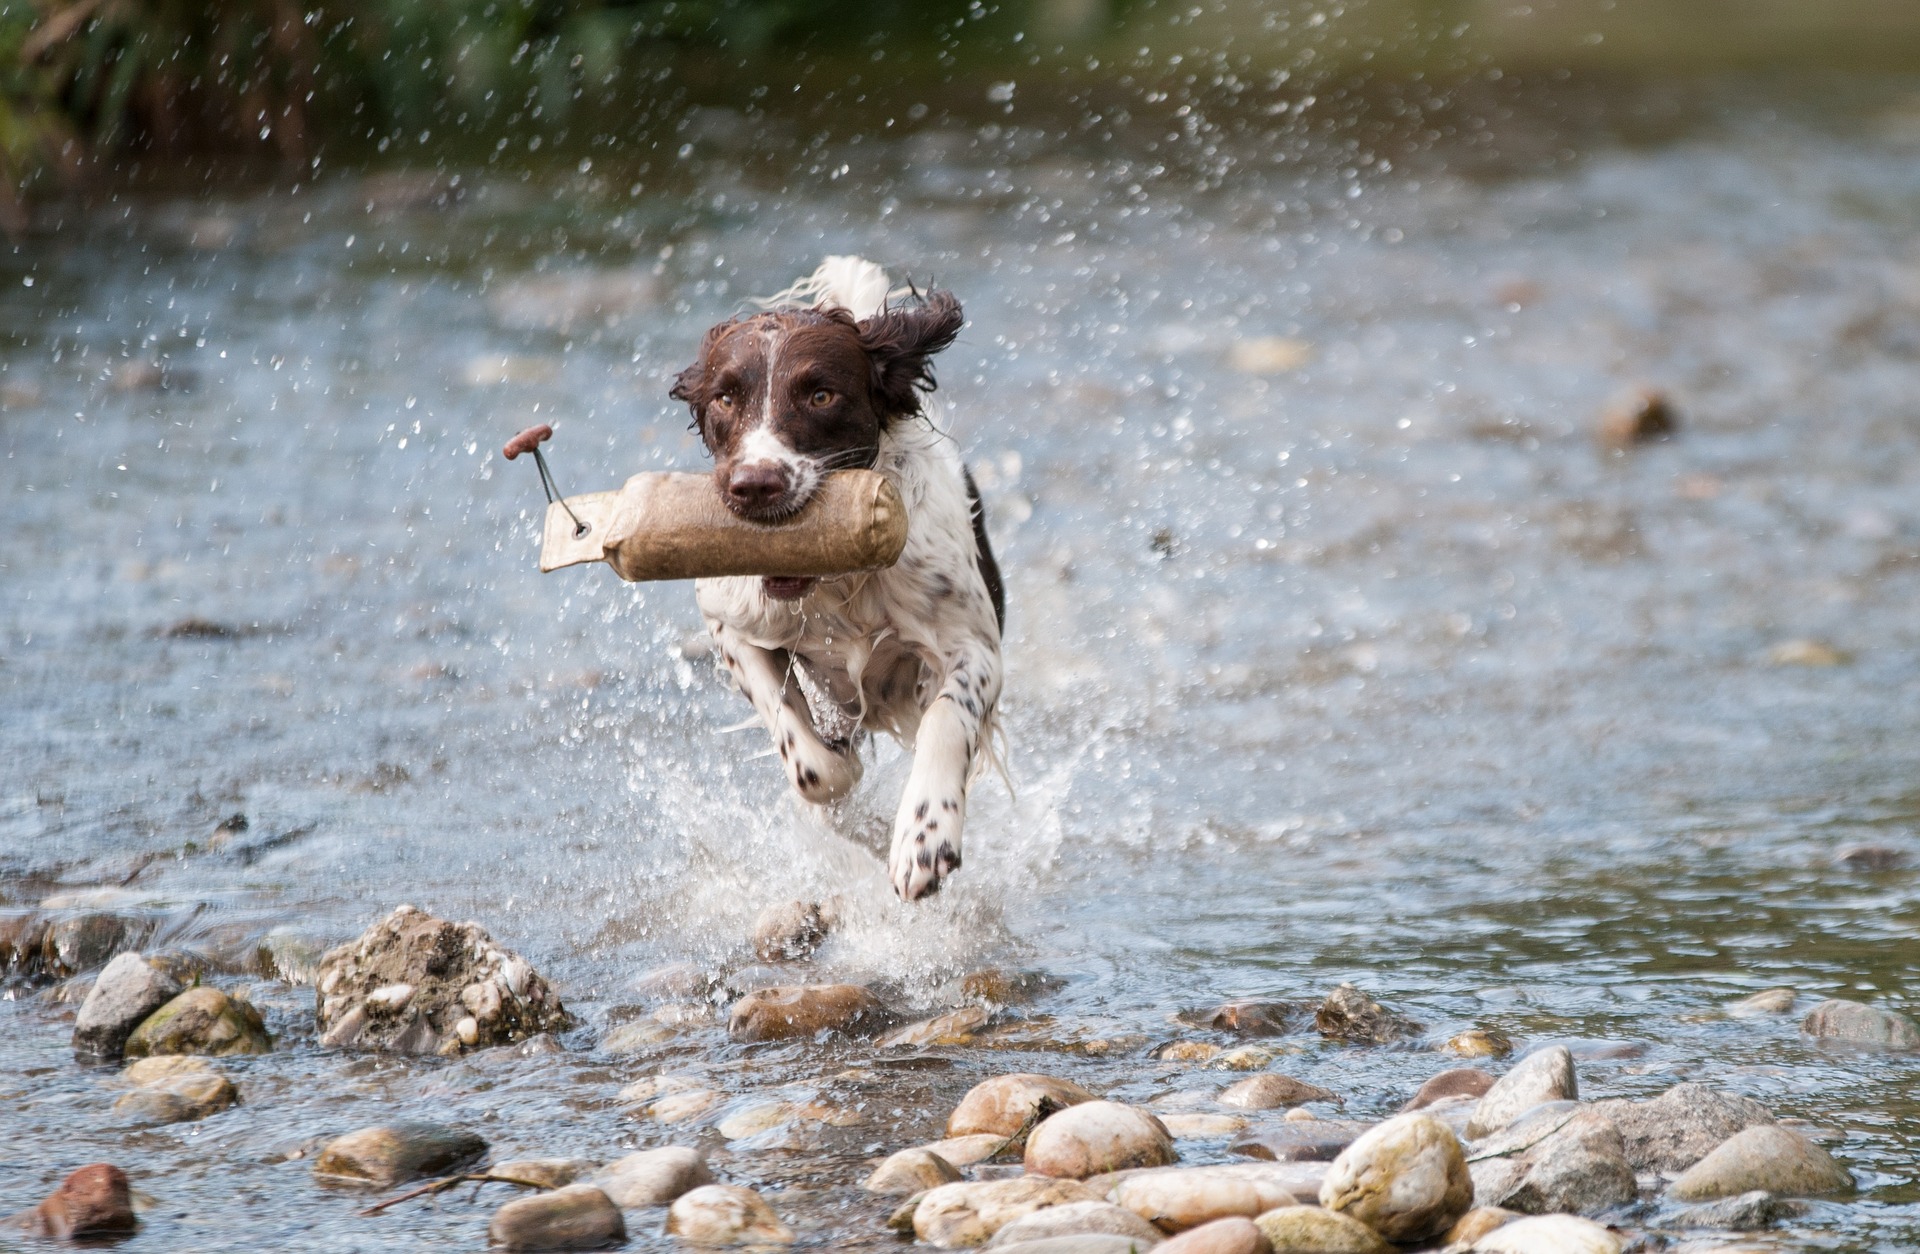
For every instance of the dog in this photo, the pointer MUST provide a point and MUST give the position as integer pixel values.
(837, 373)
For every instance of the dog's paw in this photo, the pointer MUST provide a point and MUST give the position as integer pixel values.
(820, 773)
(921, 861)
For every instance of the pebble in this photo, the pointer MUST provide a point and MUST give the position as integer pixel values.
(396, 1153)
(653, 1177)
(1350, 1015)
(1078, 1219)
(1480, 1043)
(1004, 1104)
(1837, 1019)
(970, 1212)
(552, 1173)
(1312, 1230)
(1271, 1091)
(1091, 1138)
(1302, 1141)
(910, 1171)
(1201, 1127)
(1477, 1223)
(1678, 1128)
(1747, 1212)
(1546, 1075)
(1639, 416)
(577, 1217)
(792, 929)
(956, 1027)
(1080, 1243)
(201, 1021)
(174, 1094)
(1177, 1198)
(126, 992)
(1772, 1001)
(1406, 1179)
(1579, 1167)
(1252, 1018)
(1188, 1051)
(802, 1010)
(1245, 1058)
(1549, 1234)
(1458, 1082)
(726, 1214)
(1222, 1236)
(1776, 1159)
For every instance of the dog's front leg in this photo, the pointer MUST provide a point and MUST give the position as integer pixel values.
(933, 810)
(818, 771)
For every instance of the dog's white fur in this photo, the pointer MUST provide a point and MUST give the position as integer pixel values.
(913, 650)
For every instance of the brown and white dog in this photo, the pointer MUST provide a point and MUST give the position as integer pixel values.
(834, 375)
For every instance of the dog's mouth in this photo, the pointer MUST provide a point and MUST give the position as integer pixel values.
(786, 587)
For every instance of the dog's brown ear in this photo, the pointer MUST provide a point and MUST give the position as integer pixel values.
(690, 385)
(901, 343)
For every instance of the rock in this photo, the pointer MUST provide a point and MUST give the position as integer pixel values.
(653, 1177)
(396, 1153)
(201, 1021)
(1477, 1223)
(1312, 1230)
(1837, 1019)
(1549, 1234)
(578, 1217)
(83, 942)
(1251, 1018)
(970, 1212)
(1770, 1157)
(1004, 1104)
(1676, 1129)
(1580, 1167)
(778, 1014)
(1008, 988)
(1546, 1075)
(1772, 1001)
(1222, 1236)
(682, 1105)
(1350, 1015)
(677, 981)
(177, 1096)
(910, 1171)
(792, 929)
(1076, 1219)
(1080, 1243)
(1177, 1198)
(415, 984)
(1187, 1051)
(1092, 1138)
(1871, 858)
(953, 1028)
(1480, 1043)
(1748, 1212)
(551, 1173)
(1406, 1179)
(1637, 417)
(1459, 1082)
(1270, 1091)
(93, 1201)
(1307, 1141)
(1245, 1058)
(726, 1214)
(1202, 1127)
(965, 1151)
(128, 990)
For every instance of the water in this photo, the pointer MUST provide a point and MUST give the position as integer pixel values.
(1373, 668)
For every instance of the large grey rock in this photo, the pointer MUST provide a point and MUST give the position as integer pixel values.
(1579, 1167)
(1091, 1138)
(1546, 1075)
(653, 1177)
(1677, 1129)
(577, 1217)
(1770, 1157)
(1406, 1179)
(1747, 1212)
(128, 990)
(1840, 1020)
(1072, 1219)
(395, 1153)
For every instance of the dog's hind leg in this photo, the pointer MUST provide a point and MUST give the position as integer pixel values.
(819, 772)
(933, 810)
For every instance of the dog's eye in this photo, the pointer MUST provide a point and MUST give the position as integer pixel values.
(724, 400)
(821, 398)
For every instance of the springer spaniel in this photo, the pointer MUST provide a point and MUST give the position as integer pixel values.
(832, 376)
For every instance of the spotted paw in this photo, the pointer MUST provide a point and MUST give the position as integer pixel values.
(921, 863)
(820, 773)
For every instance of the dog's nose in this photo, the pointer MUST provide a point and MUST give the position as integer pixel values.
(756, 486)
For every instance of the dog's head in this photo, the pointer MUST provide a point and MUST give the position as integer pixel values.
(781, 398)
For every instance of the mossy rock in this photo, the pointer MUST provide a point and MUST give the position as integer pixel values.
(201, 1021)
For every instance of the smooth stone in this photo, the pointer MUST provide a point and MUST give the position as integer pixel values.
(93, 1201)
(1772, 1001)
(757, 1119)
(1252, 1018)
(1480, 1043)
(653, 1177)
(1245, 1058)
(910, 1171)
(145, 1071)
(551, 1173)
(1271, 1091)
(681, 1106)
(1313, 1230)
(1837, 1019)
(782, 1013)
(1457, 1082)
(1004, 1104)
(792, 929)
(1222, 1236)
(1079, 1243)
(1071, 1219)
(201, 1021)
(1546, 1075)
(1178, 1198)
(1477, 1223)
(1202, 1127)
(1301, 1141)
(1747, 1212)
(178, 1098)
(956, 1027)
(965, 1151)
(1406, 1179)
(1455, 1112)
(1350, 1015)
(577, 1217)
(1770, 1157)
(1580, 1167)
(1678, 1128)
(396, 1153)
(1871, 858)
(970, 1212)
(726, 1214)
(1188, 1051)
(126, 992)
(1092, 1138)
(1550, 1234)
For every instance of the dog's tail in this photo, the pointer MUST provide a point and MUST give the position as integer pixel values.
(853, 283)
